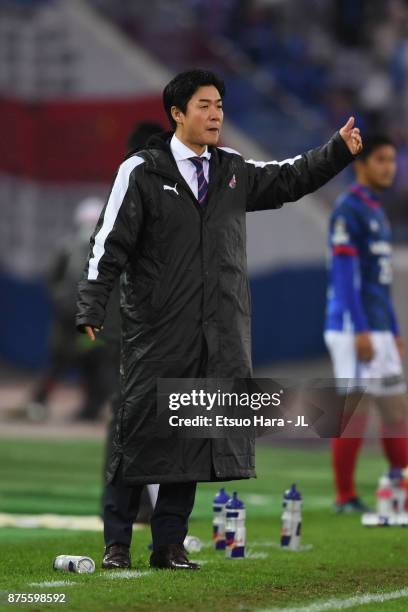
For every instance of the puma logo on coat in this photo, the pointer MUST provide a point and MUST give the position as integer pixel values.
(168, 188)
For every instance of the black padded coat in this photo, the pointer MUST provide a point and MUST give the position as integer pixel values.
(185, 300)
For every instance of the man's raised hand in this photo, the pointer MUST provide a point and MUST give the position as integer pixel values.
(351, 136)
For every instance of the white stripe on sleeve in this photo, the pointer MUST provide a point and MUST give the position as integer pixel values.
(262, 164)
(116, 198)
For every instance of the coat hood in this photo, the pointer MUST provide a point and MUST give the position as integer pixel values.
(161, 141)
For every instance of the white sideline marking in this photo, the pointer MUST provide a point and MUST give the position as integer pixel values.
(259, 500)
(54, 521)
(54, 583)
(342, 604)
(124, 575)
(256, 555)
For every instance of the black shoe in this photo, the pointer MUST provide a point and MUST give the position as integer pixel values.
(116, 556)
(353, 505)
(172, 557)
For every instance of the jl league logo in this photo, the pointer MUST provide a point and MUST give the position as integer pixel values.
(233, 182)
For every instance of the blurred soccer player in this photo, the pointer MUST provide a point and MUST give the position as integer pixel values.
(362, 332)
(91, 362)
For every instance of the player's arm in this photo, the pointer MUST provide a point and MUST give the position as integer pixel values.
(345, 268)
(115, 237)
(271, 184)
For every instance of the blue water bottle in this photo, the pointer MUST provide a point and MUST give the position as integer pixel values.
(398, 490)
(219, 503)
(291, 519)
(235, 532)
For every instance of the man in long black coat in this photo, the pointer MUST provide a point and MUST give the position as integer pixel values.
(174, 227)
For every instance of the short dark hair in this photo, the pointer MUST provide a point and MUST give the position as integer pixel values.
(141, 133)
(371, 142)
(182, 88)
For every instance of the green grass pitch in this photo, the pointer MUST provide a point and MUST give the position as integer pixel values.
(38, 476)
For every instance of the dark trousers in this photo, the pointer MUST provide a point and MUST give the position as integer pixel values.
(169, 522)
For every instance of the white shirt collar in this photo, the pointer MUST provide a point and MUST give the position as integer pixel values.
(182, 152)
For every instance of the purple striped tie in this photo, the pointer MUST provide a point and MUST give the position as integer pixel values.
(201, 182)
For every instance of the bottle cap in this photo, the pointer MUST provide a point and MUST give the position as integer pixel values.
(234, 503)
(222, 497)
(395, 474)
(293, 494)
(384, 481)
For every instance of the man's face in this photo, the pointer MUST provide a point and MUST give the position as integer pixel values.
(380, 167)
(202, 121)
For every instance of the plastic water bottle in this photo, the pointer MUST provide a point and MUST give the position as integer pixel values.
(291, 519)
(235, 532)
(398, 490)
(384, 496)
(219, 503)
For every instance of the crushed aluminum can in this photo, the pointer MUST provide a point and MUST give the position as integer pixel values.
(192, 544)
(72, 563)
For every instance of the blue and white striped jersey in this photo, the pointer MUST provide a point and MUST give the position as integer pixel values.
(360, 270)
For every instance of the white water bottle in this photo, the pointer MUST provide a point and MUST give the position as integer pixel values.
(219, 503)
(235, 532)
(384, 497)
(291, 519)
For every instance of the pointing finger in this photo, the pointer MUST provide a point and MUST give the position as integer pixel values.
(348, 126)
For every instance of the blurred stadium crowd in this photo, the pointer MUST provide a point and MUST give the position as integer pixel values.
(302, 67)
